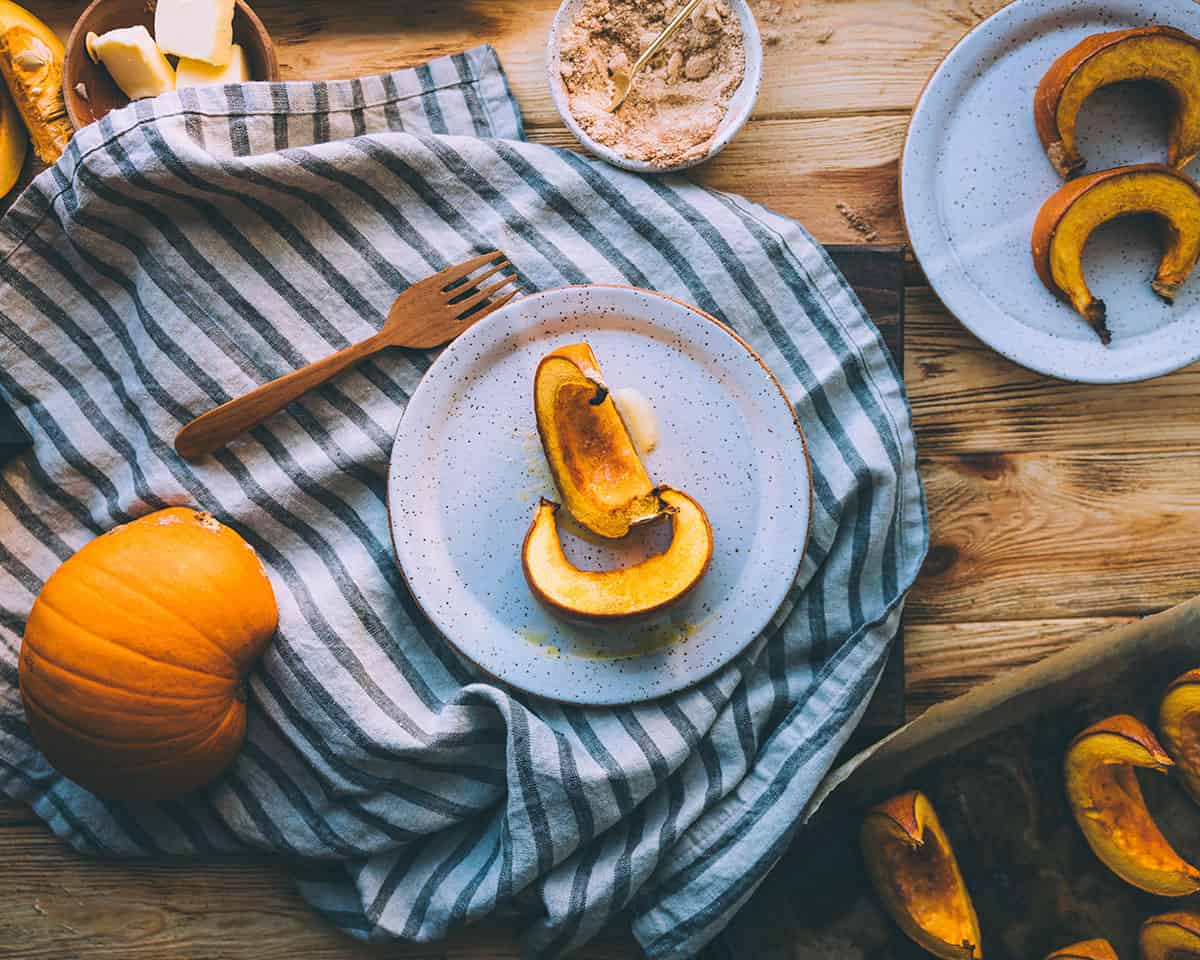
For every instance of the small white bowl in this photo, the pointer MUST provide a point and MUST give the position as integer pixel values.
(741, 105)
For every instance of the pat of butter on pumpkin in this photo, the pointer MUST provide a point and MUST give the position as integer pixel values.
(638, 416)
(136, 65)
(197, 73)
(196, 29)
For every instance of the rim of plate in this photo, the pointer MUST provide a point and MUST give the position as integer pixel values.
(719, 662)
(730, 126)
(952, 285)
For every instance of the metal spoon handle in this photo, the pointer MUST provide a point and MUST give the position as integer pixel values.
(651, 50)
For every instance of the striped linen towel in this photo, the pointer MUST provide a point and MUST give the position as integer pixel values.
(188, 248)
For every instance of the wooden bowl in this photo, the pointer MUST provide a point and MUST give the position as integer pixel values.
(101, 15)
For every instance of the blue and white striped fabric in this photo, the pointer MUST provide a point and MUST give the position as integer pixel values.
(188, 248)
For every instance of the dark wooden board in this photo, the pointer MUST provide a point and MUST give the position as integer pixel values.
(876, 272)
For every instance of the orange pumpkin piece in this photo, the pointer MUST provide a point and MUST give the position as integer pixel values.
(915, 873)
(1108, 805)
(1179, 725)
(628, 593)
(1170, 936)
(135, 653)
(1098, 949)
(592, 458)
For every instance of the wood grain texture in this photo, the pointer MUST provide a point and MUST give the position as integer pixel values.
(60, 906)
(1020, 536)
(968, 399)
(948, 659)
(824, 142)
(876, 272)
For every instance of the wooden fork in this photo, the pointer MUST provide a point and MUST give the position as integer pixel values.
(431, 312)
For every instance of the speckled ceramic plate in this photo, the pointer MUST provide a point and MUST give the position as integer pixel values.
(467, 472)
(974, 176)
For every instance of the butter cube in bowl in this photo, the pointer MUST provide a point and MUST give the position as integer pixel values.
(201, 42)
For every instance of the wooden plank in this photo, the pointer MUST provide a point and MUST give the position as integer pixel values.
(802, 155)
(836, 175)
(948, 659)
(59, 906)
(1020, 536)
(876, 272)
(967, 398)
(822, 57)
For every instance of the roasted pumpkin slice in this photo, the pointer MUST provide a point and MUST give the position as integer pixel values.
(14, 143)
(1107, 802)
(592, 459)
(1098, 949)
(1159, 54)
(629, 593)
(1170, 936)
(915, 873)
(1076, 210)
(1179, 725)
(31, 62)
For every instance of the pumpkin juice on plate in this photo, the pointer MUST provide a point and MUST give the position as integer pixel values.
(136, 651)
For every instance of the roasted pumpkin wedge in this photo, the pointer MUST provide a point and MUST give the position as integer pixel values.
(1073, 214)
(915, 873)
(629, 593)
(1163, 55)
(1170, 936)
(592, 459)
(1098, 949)
(31, 62)
(1107, 803)
(1179, 726)
(14, 143)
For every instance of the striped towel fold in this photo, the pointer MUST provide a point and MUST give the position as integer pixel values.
(190, 247)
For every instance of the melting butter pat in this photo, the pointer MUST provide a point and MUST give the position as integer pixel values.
(197, 73)
(130, 56)
(638, 416)
(196, 29)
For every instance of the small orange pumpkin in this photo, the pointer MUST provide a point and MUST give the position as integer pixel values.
(134, 656)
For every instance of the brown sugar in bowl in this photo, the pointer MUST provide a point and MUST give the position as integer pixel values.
(103, 94)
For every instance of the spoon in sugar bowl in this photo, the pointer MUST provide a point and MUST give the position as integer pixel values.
(623, 83)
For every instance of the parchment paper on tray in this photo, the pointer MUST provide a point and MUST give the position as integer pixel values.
(991, 762)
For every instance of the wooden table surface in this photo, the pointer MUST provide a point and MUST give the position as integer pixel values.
(1056, 509)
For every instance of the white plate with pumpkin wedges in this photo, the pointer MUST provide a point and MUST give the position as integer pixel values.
(469, 474)
(978, 166)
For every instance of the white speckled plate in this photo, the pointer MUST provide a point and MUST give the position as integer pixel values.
(974, 176)
(467, 471)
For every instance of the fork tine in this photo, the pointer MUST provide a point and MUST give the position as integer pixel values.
(490, 307)
(478, 298)
(459, 288)
(460, 270)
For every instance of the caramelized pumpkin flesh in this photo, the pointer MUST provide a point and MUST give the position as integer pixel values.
(1179, 724)
(1098, 949)
(1165, 56)
(1170, 936)
(1072, 215)
(1107, 803)
(915, 873)
(628, 593)
(31, 63)
(592, 459)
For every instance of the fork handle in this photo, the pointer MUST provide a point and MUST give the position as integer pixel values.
(211, 431)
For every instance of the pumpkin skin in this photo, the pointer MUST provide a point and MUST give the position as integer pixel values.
(134, 656)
